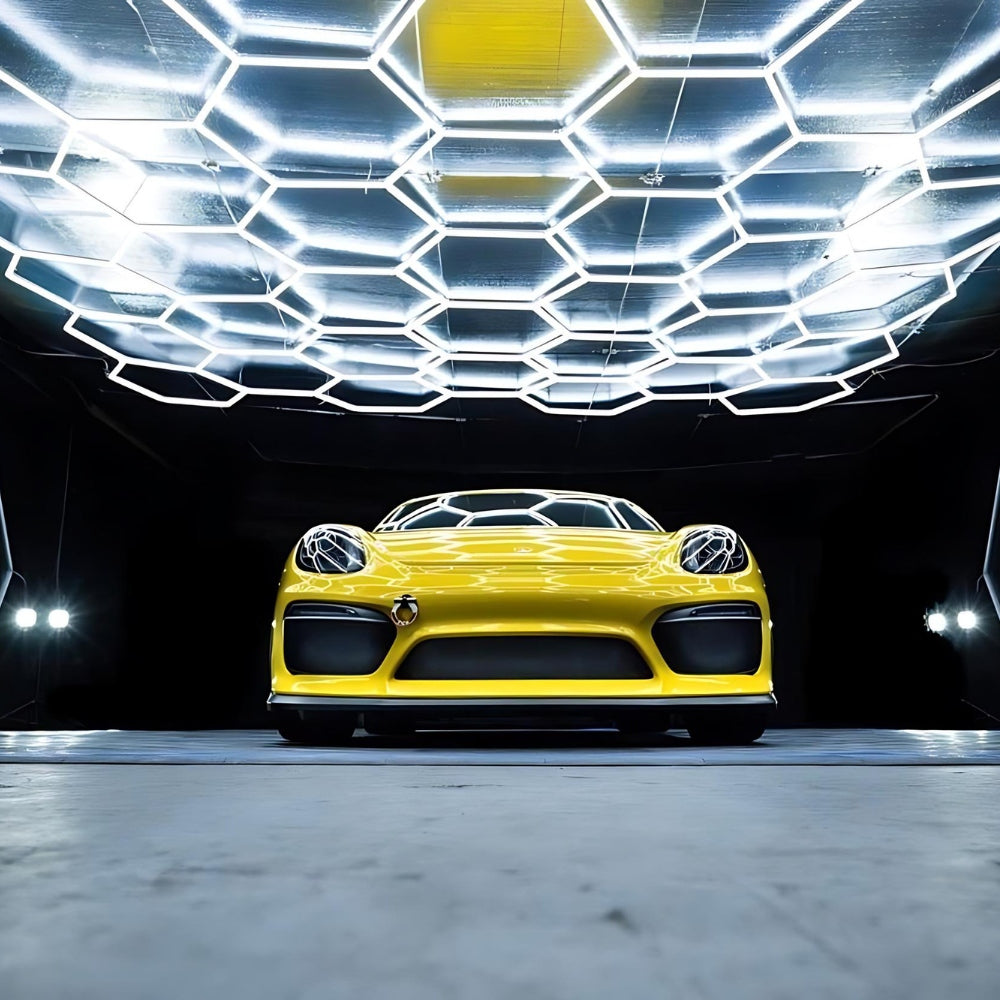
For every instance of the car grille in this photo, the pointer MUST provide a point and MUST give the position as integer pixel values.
(524, 657)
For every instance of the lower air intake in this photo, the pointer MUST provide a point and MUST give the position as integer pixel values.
(326, 638)
(524, 657)
(724, 637)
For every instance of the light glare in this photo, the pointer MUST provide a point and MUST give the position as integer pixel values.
(966, 619)
(25, 617)
(937, 622)
(58, 618)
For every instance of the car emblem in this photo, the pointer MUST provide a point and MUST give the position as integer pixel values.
(404, 610)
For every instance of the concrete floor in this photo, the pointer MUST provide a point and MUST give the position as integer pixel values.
(461, 881)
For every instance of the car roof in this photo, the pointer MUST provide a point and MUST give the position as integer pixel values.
(582, 494)
(539, 498)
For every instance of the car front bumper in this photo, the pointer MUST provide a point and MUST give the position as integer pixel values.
(486, 705)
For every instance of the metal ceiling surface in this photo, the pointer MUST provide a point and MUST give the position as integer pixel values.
(586, 204)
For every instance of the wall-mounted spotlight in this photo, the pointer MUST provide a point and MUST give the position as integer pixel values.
(966, 619)
(936, 621)
(25, 617)
(58, 618)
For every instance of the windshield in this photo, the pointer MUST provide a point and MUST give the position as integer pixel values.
(518, 508)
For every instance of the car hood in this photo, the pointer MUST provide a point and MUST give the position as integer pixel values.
(518, 546)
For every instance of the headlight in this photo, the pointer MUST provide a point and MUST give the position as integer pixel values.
(713, 550)
(329, 549)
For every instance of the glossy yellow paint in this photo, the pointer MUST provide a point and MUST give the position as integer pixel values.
(522, 581)
(475, 52)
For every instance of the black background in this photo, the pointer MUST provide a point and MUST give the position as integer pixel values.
(863, 514)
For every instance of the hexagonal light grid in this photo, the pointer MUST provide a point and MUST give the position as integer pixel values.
(585, 204)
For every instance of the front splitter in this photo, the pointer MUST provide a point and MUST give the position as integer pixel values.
(297, 702)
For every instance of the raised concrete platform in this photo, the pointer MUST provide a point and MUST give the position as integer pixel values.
(595, 747)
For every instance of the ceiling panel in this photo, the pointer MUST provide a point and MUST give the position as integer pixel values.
(588, 205)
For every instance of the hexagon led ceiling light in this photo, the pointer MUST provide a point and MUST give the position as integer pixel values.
(585, 204)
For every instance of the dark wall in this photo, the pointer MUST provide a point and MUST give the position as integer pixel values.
(170, 555)
(910, 534)
(168, 585)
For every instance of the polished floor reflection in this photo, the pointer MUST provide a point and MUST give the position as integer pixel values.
(590, 747)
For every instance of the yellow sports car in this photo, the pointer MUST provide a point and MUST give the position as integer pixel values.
(510, 607)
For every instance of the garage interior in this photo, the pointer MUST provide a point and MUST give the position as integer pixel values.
(270, 265)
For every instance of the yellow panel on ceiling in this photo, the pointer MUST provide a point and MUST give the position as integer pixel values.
(476, 52)
(514, 194)
(486, 188)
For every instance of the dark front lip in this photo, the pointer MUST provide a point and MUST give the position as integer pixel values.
(320, 702)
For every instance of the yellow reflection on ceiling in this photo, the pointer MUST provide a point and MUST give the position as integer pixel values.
(476, 52)
(490, 190)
